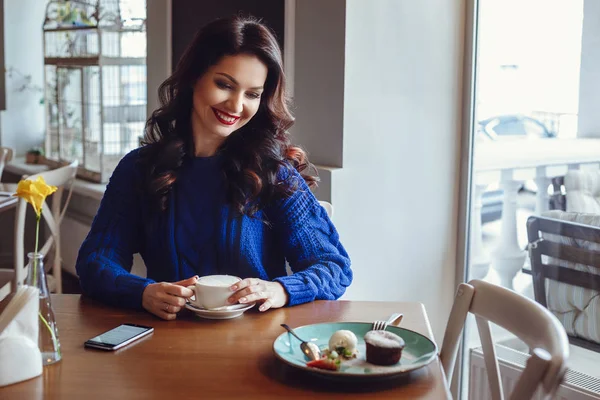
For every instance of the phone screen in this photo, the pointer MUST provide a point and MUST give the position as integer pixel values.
(119, 336)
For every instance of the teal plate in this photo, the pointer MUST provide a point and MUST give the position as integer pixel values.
(419, 351)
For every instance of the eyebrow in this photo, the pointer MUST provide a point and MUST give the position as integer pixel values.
(232, 79)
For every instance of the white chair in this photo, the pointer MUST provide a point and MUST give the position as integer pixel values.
(62, 178)
(5, 156)
(6, 282)
(524, 318)
(328, 208)
(6, 276)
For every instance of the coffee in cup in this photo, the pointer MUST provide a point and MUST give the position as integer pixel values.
(212, 291)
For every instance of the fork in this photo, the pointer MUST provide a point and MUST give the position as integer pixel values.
(382, 325)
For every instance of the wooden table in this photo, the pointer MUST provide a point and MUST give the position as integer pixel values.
(197, 358)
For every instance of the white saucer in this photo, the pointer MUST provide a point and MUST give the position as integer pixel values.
(226, 312)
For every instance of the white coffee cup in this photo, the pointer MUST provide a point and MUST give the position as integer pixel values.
(212, 291)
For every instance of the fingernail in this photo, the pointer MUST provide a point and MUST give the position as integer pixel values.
(243, 300)
(233, 288)
(261, 308)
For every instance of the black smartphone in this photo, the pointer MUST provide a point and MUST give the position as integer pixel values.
(118, 337)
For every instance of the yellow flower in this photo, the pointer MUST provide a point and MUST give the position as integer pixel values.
(35, 192)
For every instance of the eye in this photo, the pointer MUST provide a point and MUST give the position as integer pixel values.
(253, 95)
(223, 85)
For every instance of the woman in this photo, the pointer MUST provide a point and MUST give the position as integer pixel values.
(216, 189)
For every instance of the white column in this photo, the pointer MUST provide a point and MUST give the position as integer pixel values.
(588, 118)
(479, 259)
(508, 257)
(159, 49)
(289, 43)
(542, 182)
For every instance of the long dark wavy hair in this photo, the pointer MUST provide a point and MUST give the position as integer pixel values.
(255, 154)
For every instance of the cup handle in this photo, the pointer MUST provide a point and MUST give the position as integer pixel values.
(193, 289)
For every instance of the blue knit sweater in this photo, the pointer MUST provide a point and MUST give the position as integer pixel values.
(297, 230)
(197, 214)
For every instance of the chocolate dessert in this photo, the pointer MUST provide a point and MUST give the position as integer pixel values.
(383, 347)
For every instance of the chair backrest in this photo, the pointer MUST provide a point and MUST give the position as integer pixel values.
(558, 198)
(6, 154)
(524, 318)
(328, 207)
(582, 191)
(62, 178)
(565, 264)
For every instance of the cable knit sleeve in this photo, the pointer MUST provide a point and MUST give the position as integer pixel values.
(319, 262)
(106, 255)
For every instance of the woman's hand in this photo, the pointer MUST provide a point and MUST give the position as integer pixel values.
(166, 299)
(271, 294)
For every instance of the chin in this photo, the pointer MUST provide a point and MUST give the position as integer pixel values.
(224, 132)
(221, 136)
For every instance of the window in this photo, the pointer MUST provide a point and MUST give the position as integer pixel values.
(95, 63)
(535, 101)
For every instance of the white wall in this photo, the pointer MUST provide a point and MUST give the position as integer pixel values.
(395, 198)
(22, 123)
(395, 116)
(589, 78)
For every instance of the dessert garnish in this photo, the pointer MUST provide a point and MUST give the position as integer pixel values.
(342, 346)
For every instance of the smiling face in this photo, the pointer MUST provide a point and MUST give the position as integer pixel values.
(226, 98)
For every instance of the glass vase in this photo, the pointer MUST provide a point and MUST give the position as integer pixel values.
(48, 337)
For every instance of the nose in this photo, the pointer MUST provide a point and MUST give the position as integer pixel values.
(236, 103)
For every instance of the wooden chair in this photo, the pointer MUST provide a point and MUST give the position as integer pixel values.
(526, 319)
(62, 178)
(563, 241)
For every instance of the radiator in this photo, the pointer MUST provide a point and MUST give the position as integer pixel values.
(73, 232)
(576, 386)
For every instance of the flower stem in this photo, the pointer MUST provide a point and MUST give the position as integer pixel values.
(35, 258)
(51, 332)
(35, 265)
